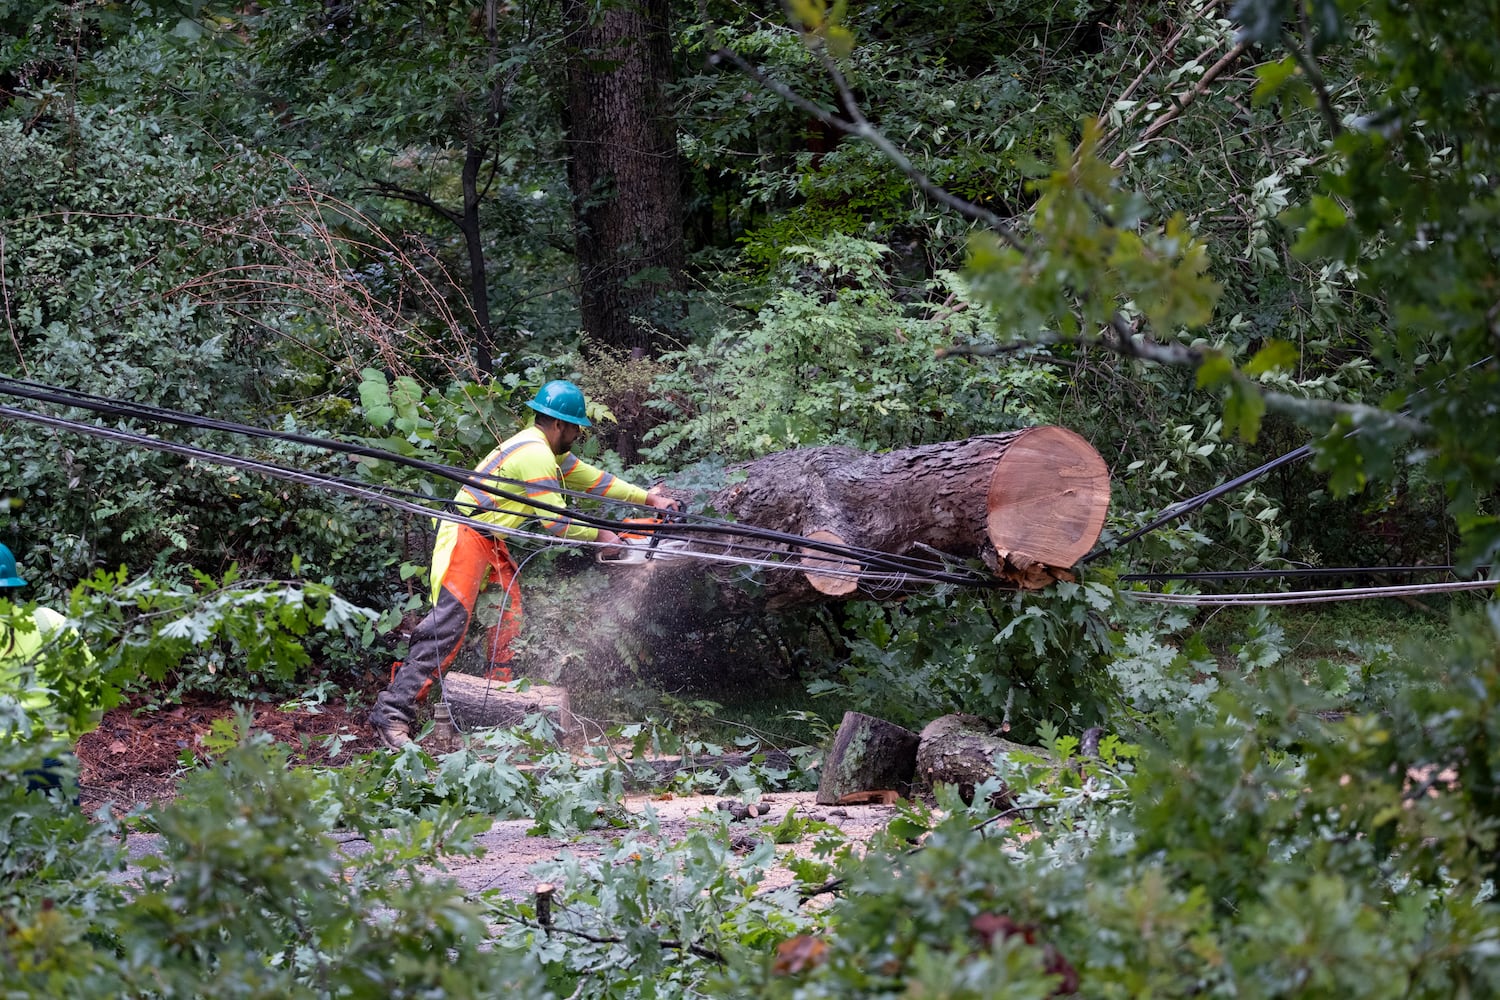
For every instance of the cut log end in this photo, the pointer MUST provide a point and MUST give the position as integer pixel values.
(829, 574)
(1048, 497)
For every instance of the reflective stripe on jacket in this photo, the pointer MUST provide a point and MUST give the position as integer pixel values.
(528, 458)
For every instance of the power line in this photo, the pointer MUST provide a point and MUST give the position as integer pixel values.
(732, 544)
(1266, 574)
(1310, 596)
(678, 525)
(1185, 507)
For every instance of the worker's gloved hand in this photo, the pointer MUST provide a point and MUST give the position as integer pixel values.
(611, 543)
(658, 497)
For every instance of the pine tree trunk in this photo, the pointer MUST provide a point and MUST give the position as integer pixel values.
(622, 166)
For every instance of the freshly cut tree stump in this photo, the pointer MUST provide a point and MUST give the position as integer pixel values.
(477, 703)
(961, 750)
(868, 755)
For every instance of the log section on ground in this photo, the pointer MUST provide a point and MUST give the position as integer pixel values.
(868, 755)
(961, 750)
(477, 703)
(1030, 503)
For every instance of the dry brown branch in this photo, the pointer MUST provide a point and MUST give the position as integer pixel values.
(1161, 56)
(1309, 67)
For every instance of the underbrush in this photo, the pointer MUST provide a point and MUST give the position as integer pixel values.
(1261, 819)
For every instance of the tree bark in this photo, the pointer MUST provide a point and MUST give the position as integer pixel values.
(477, 703)
(1029, 503)
(479, 289)
(961, 750)
(868, 755)
(622, 166)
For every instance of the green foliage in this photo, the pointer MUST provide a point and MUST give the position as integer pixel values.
(835, 358)
(150, 251)
(236, 638)
(1084, 224)
(1285, 821)
(1253, 847)
(649, 921)
(452, 427)
(249, 896)
(78, 688)
(1023, 660)
(1404, 197)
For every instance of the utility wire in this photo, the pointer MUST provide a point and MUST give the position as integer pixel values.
(1182, 509)
(1310, 596)
(733, 552)
(677, 525)
(1306, 571)
(1177, 510)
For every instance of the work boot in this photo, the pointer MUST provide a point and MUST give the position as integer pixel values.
(393, 734)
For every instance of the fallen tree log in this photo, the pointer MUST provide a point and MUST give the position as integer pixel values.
(1029, 503)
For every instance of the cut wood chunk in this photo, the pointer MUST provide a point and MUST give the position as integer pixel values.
(883, 797)
(821, 567)
(477, 703)
(961, 750)
(868, 755)
(1048, 496)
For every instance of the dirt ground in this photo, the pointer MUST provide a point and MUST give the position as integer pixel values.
(134, 757)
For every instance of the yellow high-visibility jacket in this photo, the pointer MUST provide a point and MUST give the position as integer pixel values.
(17, 648)
(528, 458)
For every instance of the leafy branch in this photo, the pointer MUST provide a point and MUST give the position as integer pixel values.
(1163, 276)
(667, 944)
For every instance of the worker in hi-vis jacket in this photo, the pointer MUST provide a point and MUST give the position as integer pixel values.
(466, 560)
(21, 651)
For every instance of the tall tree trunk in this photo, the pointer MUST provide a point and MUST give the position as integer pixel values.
(479, 287)
(622, 166)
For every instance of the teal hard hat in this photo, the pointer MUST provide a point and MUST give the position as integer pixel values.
(8, 577)
(562, 400)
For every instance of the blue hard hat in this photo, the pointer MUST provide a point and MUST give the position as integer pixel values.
(8, 577)
(562, 400)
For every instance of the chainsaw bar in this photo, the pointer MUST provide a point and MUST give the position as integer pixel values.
(635, 551)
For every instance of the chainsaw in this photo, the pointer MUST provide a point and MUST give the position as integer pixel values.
(637, 547)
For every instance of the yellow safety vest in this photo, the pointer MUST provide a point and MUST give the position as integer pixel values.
(20, 648)
(528, 458)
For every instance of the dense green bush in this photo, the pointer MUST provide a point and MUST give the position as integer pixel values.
(834, 357)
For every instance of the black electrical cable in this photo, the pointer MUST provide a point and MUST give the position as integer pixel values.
(1186, 507)
(1177, 510)
(895, 565)
(679, 525)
